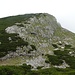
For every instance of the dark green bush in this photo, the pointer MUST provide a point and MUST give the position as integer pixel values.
(10, 45)
(70, 60)
(47, 61)
(2, 54)
(33, 47)
(68, 46)
(60, 53)
(39, 67)
(55, 45)
(54, 60)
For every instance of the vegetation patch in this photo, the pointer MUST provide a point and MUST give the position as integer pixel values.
(70, 60)
(55, 45)
(26, 70)
(54, 60)
(33, 47)
(10, 44)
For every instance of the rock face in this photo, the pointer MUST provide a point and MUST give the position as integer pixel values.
(40, 31)
(37, 30)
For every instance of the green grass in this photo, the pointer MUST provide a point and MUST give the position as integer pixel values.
(26, 70)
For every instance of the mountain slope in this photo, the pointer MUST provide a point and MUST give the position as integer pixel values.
(33, 39)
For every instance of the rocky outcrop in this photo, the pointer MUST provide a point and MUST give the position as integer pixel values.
(41, 30)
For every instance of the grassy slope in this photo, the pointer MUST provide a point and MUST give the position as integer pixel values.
(63, 33)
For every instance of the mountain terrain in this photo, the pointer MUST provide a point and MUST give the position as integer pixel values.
(37, 40)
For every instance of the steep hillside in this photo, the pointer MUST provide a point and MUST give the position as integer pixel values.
(37, 40)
